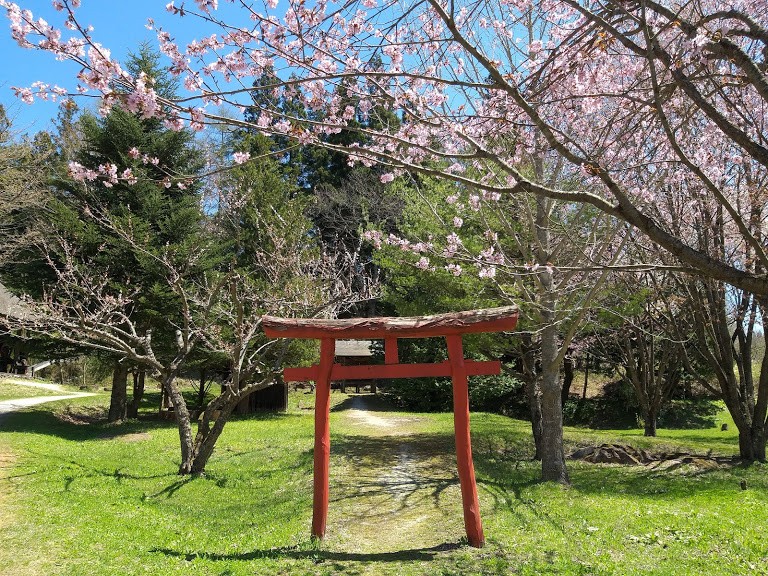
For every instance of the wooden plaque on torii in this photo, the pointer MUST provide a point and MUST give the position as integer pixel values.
(451, 326)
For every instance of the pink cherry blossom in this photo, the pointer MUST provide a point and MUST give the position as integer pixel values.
(241, 157)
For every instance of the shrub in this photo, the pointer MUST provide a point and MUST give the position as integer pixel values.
(500, 394)
(617, 408)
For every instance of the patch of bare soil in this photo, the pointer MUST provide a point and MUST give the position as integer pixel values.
(630, 456)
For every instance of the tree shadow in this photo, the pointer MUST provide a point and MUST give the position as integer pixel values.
(170, 490)
(84, 427)
(433, 459)
(392, 473)
(319, 555)
(43, 421)
(118, 474)
(653, 483)
(509, 479)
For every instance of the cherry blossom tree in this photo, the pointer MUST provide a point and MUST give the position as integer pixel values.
(655, 111)
(658, 61)
(627, 95)
(510, 247)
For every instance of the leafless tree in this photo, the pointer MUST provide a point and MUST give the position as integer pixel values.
(218, 311)
(22, 188)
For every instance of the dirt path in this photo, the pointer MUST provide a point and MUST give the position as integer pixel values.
(393, 488)
(8, 406)
(360, 412)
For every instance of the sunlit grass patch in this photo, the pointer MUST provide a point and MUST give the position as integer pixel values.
(12, 389)
(95, 498)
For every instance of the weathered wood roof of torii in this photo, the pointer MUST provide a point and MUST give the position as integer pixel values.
(452, 323)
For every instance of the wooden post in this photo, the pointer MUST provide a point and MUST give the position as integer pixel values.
(472, 522)
(390, 351)
(322, 453)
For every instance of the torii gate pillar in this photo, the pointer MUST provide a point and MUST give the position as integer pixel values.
(450, 326)
(322, 454)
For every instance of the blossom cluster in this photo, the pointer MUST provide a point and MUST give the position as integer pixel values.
(634, 108)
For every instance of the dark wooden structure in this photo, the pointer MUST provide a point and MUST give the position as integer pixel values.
(270, 399)
(450, 326)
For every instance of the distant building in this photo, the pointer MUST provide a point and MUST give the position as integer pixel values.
(354, 353)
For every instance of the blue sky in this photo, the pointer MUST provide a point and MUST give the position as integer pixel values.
(118, 24)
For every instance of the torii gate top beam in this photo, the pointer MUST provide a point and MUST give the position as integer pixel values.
(451, 324)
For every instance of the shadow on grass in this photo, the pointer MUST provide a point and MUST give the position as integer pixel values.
(502, 478)
(68, 425)
(393, 470)
(504, 471)
(86, 471)
(319, 555)
(43, 421)
(394, 473)
(644, 482)
(501, 469)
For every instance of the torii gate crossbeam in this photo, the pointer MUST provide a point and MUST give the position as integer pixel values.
(450, 326)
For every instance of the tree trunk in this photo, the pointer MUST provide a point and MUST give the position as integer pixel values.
(183, 422)
(207, 436)
(752, 441)
(118, 402)
(552, 453)
(534, 404)
(567, 377)
(195, 454)
(139, 378)
(532, 390)
(724, 350)
(649, 419)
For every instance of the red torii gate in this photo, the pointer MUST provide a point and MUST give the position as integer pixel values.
(451, 326)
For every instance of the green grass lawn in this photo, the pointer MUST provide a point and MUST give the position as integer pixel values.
(99, 499)
(11, 391)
